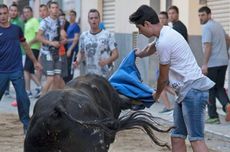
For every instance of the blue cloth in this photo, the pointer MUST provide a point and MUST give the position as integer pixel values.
(127, 81)
(10, 51)
(71, 31)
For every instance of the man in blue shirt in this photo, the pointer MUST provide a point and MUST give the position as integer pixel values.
(11, 69)
(73, 34)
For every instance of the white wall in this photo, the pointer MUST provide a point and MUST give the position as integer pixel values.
(123, 9)
(85, 7)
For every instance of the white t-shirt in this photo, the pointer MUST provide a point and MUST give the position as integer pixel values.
(97, 46)
(49, 27)
(183, 68)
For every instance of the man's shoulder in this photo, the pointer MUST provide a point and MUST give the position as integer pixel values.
(46, 20)
(85, 33)
(106, 31)
(14, 26)
(179, 24)
(76, 26)
(34, 20)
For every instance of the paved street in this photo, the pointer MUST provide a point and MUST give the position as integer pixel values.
(217, 136)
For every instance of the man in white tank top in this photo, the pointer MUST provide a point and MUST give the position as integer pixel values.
(179, 69)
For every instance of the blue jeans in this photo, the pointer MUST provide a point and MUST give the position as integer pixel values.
(189, 116)
(23, 101)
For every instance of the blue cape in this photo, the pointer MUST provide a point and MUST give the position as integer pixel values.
(127, 81)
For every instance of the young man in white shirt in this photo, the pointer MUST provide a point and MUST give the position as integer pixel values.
(97, 47)
(178, 69)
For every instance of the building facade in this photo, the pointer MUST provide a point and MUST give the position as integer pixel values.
(115, 14)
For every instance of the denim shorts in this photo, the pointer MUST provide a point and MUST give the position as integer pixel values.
(189, 116)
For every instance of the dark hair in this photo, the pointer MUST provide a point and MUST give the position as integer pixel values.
(174, 8)
(52, 2)
(61, 12)
(94, 11)
(29, 8)
(3, 6)
(42, 5)
(205, 9)
(142, 14)
(164, 13)
(14, 5)
(74, 12)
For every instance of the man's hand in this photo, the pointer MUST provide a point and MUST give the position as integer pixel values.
(138, 52)
(156, 97)
(37, 66)
(56, 44)
(102, 62)
(75, 64)
(204, 69)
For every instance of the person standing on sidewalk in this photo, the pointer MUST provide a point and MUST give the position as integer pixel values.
(178, 69)
(98, 47)
(31, 29)
(73, 34)
(173, 14)
(49, 36)
(215, 63)
(14, 19)
(11, 69)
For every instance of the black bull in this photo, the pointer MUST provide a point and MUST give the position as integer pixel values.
(83, 117)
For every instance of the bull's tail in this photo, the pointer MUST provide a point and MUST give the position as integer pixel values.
(138, 119)
(144, 121)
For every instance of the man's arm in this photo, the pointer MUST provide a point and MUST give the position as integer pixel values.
(207, 54)
(75, 41)
(31, 55)
(41, 38)
(162, 81)
(147, 51)
(79, 58)
(111, 59)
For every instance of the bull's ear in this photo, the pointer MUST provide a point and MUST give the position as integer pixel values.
(59, 110)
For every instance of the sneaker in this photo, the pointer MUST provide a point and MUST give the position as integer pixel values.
(166, 110)
(38, 92)
(29, 94)
(213, 121)
(14, 103)
(227, 118)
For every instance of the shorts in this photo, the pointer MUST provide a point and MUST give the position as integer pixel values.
(189, 116)
(29, 65)
(50, 67)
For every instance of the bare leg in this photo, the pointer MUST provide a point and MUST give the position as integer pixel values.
(27, 80)
(165, 99)
(47, 85)
(199, 146)
(178, 144)
(35, 79)
(58, 83)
